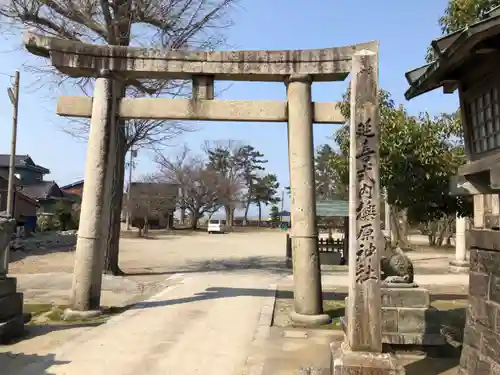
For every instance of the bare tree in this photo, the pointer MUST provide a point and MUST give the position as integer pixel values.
(225, 160)
(170, 24)
(198, 182)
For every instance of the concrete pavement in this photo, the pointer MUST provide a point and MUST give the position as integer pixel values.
(203, 324)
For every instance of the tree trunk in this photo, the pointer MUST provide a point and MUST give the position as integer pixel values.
(249, 202)
(260, 212)
(194, 221)
(113, 235)
(245, 218)
(182, 218)
(229, 221)
(399, 229)
(445, 229)
(232, 215)
(146, 225)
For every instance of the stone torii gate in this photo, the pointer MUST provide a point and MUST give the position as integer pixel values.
(298, 70)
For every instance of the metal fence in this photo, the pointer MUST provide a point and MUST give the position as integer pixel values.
(332, 251)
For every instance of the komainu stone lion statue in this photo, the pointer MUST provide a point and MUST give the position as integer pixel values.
(395, 266)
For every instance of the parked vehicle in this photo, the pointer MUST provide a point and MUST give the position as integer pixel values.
(216, 226)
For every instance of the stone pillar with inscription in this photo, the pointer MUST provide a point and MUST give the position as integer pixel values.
(308, 301)
(361, 351)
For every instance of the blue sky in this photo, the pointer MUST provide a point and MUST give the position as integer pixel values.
(403, 28)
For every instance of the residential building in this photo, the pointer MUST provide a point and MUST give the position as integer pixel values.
(27, 172)
(74, 189)
(48, 195)
(25, 208)
(31, 184)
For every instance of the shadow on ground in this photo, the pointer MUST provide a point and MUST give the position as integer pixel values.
(17, 255)
(12, 363)
(430, 366)
(276, 265)
(209, 293)
(34, 330)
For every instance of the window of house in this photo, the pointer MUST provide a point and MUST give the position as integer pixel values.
(484, 120)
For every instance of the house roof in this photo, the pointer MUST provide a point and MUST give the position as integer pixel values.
(22, 161)
(451, 52)
(27, 198)
(42, 190)
(72, 185)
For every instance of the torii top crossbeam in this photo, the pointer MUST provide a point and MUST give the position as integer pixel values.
(78, 59)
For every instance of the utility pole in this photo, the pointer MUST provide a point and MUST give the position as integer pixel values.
(14, 99)
(133, 154)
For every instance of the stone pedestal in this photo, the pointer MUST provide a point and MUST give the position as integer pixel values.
(348, 362)
(408, 318)
(11, 310)
(459, 266)
(11, 302)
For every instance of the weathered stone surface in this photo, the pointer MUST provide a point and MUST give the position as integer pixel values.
(418, 339)
(7, 286)
(10, 306)
(481, 350)
(389, 320)
(364, 330)
(308, 302)
(472, 363)
(483, 312)
(490, 345)
(7, 225)
(488, 241)
(401, 297)
(478, 284)
(396, 267)
(495, 369)
(472, 335)
(474, 260)
(421, 320)
(201, 110)
(478, 310)
(78, 59)
(494, 289)
(347, 362)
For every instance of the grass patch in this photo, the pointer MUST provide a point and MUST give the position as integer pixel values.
(336, 310)
(48, 314)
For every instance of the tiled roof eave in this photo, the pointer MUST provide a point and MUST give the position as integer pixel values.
(433, 74)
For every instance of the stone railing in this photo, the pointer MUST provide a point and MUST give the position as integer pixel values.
(47, 240)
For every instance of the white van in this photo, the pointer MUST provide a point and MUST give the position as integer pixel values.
(216, 226)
